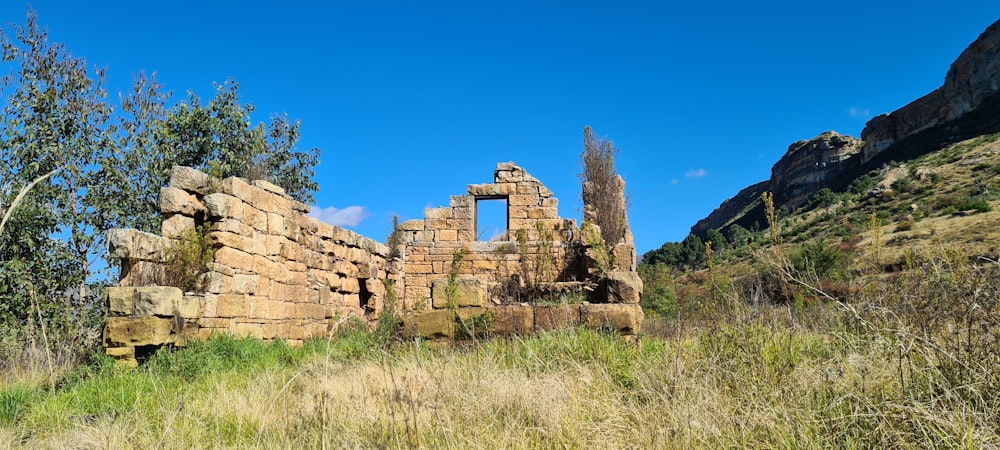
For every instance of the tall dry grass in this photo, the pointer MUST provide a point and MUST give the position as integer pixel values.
(908, 360)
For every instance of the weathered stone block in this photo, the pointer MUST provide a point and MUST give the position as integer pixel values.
(175, 225)
(432, 324)
(245, 283)
(513, 319)
(120, 300)
(236, 259)
(190, 306)
(523, 200)
(190, 180)
(623, 287)
(466, 291)
(137, 245)
(232, 305)
(542, 213)
(267, 186)
(255, 218)
(219, 205)
(625, 318)
(447, 235)
(556, 317)
(177, 201)
(437, 213)
(484, 190)
(412, 225)
(136, 331)
(156, 300)
(461, 201)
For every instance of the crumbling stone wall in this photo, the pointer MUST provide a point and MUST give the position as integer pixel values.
(430, 246)
(276, 273)
(457, 286)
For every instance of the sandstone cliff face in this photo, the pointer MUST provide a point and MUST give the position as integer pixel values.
(974, 78)
(966, 105)
(809, 164)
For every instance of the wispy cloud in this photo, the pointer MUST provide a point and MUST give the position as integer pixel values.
(859, 113)
(350, 216)
(675, 181)
(696, 173)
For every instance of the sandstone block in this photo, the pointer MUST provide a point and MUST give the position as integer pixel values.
(236, 259)
(177, 201)
(542, 213)
(232, 305)
(461, 201)
(190, 306)
(137, 245)
(233, 240)
(157, 300)
(464, 291)
(220, 205)
(190, 180)
(433, 325)
(245, 283)
(484, 190)
(255, 218)
(625, 258)
(267, 186)
(625, 318)
(137, 331)
(523, 200)
(623, 287)
(219, 283)
(173, 226)
(119, 300)
(123, 355)
(556, 317)
(412, 225)
(437, 213)
(511, 320)
(447, 235)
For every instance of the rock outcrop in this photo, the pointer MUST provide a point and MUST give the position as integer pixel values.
(967, 105)
(808, 165)
(972, 81)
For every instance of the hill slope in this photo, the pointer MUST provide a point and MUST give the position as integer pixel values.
(966, 106)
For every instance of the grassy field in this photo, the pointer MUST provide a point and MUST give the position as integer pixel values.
(906, 363)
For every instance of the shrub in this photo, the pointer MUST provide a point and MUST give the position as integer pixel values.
(187, 261)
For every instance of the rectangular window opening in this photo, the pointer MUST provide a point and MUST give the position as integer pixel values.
(492, 219)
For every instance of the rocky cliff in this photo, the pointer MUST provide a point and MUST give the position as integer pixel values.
(971, 82)
(967, 105)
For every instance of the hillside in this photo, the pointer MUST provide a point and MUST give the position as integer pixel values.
(966, 106)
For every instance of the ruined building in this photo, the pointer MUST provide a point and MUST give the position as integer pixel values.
(273, 272)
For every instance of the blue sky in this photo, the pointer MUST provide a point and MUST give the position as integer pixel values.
(410, 101)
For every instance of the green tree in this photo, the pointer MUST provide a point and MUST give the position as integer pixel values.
(718, 241)
(220, 133)
(738, 236)
(55, 118)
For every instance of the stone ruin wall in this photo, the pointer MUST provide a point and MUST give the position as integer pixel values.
(545, 260)
(429, 246)
(277, 273)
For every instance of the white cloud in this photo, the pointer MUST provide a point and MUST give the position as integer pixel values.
(696, 173)
(860, 113)
(675, 181)
(350, 216)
